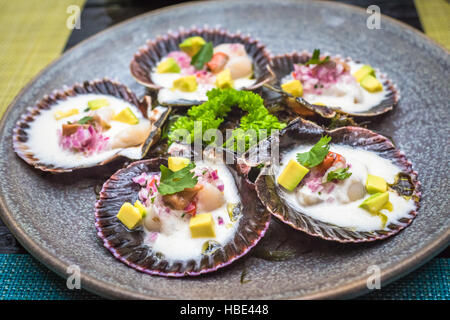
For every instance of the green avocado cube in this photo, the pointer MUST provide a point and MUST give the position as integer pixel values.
(168, 65)
(97, 103)
(192, 45)
(371, 84)
(375, 184)
(364, 71)
(375, 202)
(224, 80)
(186, 84)
(292, 174)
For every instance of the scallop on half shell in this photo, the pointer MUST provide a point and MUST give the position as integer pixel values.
(346, 97)
(162, 244)
(87, 125)
(332, 210)
(146, 60)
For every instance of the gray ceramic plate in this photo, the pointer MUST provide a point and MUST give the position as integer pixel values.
(53, 216)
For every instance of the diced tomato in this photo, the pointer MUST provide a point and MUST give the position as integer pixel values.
(191, 208)
(217, 62)
(330, 159)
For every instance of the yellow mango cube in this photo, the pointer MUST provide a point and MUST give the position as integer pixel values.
(126, 116)
(64, 114)
(224, 80)
(202, 226)
(177, 163)
(375, 184)
(98, 103)
(293, 87)
(186, 84)
(142, 209)
(292, 174)
(129, 215)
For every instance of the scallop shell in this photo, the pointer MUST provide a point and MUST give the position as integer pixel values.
(103, 86)
(299, 131)
(128, 247)
(151, 54)
(282, 65)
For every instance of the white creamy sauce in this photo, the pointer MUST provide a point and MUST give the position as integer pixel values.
(348, 214)
(175, 241)
(349, 97)
(167, 94)
(43, 139)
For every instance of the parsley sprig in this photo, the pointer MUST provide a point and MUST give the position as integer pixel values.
(338, 174)
(317, 153)
(204, 55)
(315, 59)
(175, 181)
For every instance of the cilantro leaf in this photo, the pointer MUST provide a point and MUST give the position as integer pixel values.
(338, 174)
(85, 120)
(175, 181)
(317, 153)
(203, 56)
(315, 59)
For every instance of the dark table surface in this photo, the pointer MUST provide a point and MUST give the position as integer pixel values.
(98, 15)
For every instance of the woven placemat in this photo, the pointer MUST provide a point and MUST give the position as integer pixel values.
(22, 277)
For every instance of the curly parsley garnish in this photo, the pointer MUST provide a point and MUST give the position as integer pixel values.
(338, 174)
(317, 153)
(204, 55)
(175, 181)
(315, 59)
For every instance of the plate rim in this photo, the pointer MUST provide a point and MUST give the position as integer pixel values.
(109, 290)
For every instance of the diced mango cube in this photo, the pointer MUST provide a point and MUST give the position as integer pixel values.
(375, 184)
(64, 114)
(168, 65)
(202, 226)
(224, 80)
(292, 174)
(293, 87)
(177, 163)
(375, 202)
(364, 71)
(371, 84)
(192, 45)
(129, 215)
(186, 84)
(126, 116)
(98, 103)
(141, 207)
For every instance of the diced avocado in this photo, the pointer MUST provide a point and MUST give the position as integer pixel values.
(293, 87)
(375, 184)
(388, 206)
(168, 65)
(142, 209)
(319, 104)
(202, 226)
(292, 175)
(126, 116)
(64, 114)
(375, 202)
(98, 103)
(224, 80)
(186, 84)
(384, 220)
(371, 84)
(177, 163)
(129, 215)
(364, 71)
(192, 45)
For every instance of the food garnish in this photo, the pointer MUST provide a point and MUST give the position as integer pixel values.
(315, 59)
(316, 155)
(203, 56)
(175, 181)
(338, 174)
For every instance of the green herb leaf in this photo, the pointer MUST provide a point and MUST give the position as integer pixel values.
(85, 120)
(203, 56)
(175, 181)
(317, 153)
(338, 174)
(315, 59)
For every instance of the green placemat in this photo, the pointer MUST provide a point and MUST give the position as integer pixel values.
(23, 277)
(434, 16)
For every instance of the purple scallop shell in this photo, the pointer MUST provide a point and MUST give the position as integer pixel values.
(298, 132)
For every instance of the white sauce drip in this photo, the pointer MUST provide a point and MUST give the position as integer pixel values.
(43, 139)
(343, 95)
(175, 241)
(349, 215)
